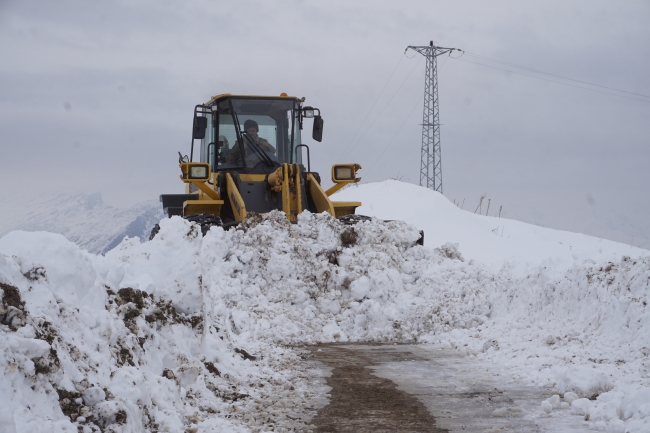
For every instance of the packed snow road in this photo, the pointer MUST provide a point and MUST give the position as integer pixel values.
(415, 388)
(362, 402)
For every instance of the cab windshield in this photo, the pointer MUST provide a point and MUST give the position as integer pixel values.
(246, 132)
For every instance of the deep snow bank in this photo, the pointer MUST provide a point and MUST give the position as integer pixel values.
(584, 331)
(135, 341)
(159, 335)
(489, 240)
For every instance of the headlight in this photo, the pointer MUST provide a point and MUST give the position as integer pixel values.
(343, 173)
(198, 172)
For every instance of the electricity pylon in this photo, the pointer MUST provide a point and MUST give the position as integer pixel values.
(430, 165)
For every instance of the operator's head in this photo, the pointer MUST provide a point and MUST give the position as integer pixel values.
(251, 127)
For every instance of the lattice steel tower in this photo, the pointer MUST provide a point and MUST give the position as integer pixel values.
(430, 165)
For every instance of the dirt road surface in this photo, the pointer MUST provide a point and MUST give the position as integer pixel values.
(363, 402)
(412, 388)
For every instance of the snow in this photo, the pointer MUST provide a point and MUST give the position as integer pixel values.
(186, 331)
(489, 240)
(82, 218)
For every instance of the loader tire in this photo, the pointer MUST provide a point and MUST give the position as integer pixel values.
(350, 220)
(205, 221)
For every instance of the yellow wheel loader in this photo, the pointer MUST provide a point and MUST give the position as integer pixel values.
(250, 159)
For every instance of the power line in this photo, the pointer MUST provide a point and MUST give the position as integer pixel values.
(400, 128)
(394, 136)
(552, 81)
(554, 75)
(371, 108)
(386, 105)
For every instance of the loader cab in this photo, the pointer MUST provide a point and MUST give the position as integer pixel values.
(227, 146)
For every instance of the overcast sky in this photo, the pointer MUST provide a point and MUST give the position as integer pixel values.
(98, 96)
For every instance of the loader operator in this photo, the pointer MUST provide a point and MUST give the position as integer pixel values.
(250, 137)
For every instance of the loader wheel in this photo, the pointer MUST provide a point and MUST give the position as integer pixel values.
(349, 220)
(205, 221)
(154, 231)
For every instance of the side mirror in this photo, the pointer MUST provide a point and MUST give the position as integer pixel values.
(317, 133)
(200, 125)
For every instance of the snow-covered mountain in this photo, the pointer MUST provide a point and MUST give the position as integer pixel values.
(82, 218)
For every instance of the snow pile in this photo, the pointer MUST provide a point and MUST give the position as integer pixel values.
(585, 331)
(490, 240)
(191, 332)
(184, 331)
(134, 341)
(319, 281)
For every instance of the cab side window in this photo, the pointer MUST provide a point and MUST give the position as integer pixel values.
(227, 140)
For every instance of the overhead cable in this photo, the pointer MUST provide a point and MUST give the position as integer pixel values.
(371, 108)
(394, 136)
(554, 75)
(386, 105)
(400, 128)
(554, 81)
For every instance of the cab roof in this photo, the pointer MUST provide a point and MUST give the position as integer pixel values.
(228, 95)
